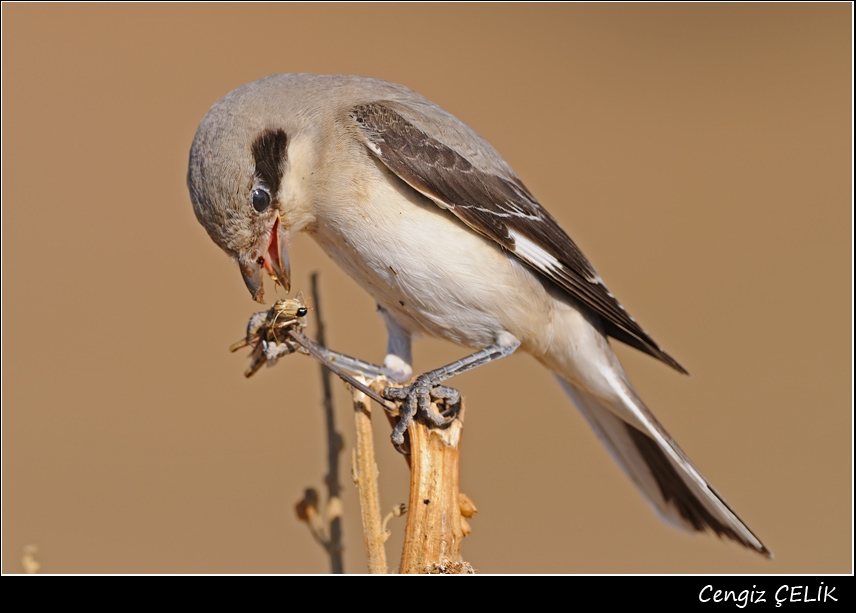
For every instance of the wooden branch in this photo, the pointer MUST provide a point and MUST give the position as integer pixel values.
(364, 470)
(434, 530)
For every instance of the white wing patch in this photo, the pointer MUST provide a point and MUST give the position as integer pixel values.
(533, 253)
(373, 146)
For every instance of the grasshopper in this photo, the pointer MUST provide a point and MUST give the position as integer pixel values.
(279, 331)
(267, 333)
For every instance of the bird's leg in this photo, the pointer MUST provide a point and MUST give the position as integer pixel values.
(418, 396)
(399, 356)
(396, 366)
(355, 366)
(343, 365)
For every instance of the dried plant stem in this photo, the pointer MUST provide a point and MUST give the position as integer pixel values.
(364, 469)
(435, 526)
(434, 532)
(334, 545)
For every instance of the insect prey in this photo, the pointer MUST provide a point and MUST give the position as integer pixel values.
(267, 333)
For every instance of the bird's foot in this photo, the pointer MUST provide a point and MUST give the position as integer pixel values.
(418, 398)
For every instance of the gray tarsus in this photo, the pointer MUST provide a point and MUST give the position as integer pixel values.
(417, 397)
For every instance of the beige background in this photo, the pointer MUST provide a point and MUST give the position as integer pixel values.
(699, 154)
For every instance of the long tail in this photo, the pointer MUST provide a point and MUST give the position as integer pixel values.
(670, 483)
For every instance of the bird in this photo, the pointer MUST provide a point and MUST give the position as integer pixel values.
(428, 218)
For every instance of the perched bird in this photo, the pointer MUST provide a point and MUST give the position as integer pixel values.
(429, 219)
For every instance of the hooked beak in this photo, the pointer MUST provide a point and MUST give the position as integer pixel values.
(275, 261)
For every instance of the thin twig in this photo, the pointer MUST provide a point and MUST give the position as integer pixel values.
(397, 511)
(334, 448)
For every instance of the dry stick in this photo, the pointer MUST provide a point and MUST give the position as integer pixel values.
(364, 471)
(434, 526)
(334, 448)
(432, 541)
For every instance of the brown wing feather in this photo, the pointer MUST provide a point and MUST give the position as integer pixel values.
(499, 208)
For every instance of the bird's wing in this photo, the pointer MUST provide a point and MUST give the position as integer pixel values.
(498, 206)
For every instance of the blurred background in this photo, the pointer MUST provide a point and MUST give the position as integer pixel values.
(700, 155)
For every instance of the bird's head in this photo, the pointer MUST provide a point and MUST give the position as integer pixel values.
(236, 178)
(260, 160)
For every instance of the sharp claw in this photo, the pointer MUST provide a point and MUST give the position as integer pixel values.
(417, 398)
(395, 393)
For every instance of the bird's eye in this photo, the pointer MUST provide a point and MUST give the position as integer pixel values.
(260, 199)
(301, 311)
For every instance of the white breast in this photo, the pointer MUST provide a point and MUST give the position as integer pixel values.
(436, 275)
